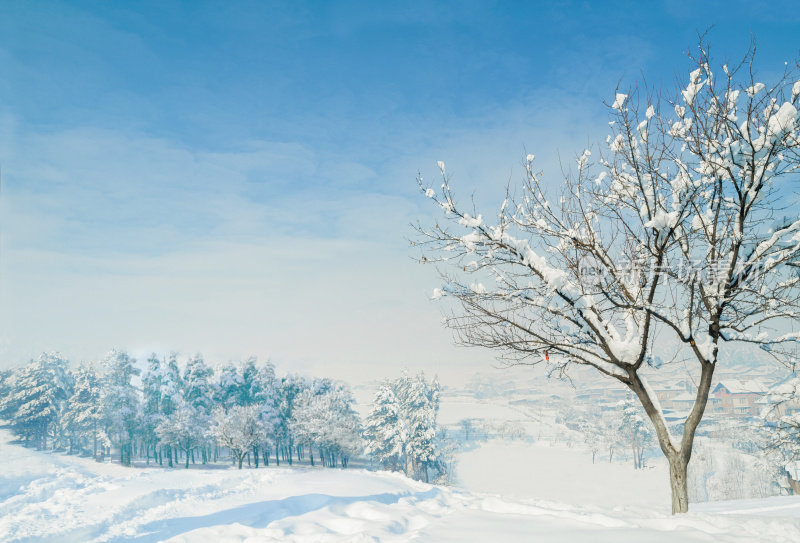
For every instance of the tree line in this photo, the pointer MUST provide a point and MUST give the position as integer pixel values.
(180, 413)
(167, 413)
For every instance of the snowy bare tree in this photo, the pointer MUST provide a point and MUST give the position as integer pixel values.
(184, 428)
(681, 230)
(634, 428)
(240, 429)
(323, 417)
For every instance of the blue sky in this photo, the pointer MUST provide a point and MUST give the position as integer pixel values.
(238, 177)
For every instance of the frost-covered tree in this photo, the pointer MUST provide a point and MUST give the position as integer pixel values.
(261, 389)
(120, 402)
(227, 386)
(324, 417)
(83, 412)
(171, 396)
(253, 384)
(198, 392)
(6, 378)
(401, 429)
(385, 429)
(635, 429)
(680, 229)
(239, 429)
(612, 438)
(152, 392)
(197, 384)
(778, 431)
(592, 430)
(420, 401)
(287, 389)
(185, 428)
(37, 395)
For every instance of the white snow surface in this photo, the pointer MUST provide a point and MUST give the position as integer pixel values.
(54, 497)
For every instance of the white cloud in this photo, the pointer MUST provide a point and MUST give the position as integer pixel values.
(273, 248)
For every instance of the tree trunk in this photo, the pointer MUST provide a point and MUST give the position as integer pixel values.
(187, 459)
(677, 481)
(677, 456)
(241, 457)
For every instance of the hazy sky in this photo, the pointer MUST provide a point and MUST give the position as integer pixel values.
(237, 178)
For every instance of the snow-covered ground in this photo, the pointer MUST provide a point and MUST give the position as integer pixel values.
(53, 497)
(559, 473)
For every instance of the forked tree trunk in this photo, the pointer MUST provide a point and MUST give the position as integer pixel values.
(678, 455)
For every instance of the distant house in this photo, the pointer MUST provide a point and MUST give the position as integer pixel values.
(667, 394)
(739, 397)
(783, 398)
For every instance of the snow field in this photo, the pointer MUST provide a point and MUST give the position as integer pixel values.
(560, 473)
(52, 497)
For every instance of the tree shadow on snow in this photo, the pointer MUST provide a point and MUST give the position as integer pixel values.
(253, 515)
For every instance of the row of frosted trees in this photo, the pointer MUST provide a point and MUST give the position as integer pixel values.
(173, 413)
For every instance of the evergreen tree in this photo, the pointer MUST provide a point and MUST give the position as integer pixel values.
(197, 389)
(401, 428)
(421, 406)
(152, 392)
(121, 402)
(227, 389)
(384, 428)
(261, 390)
(83, 413)
(171, 396)
(37, 395)
(198, 392)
